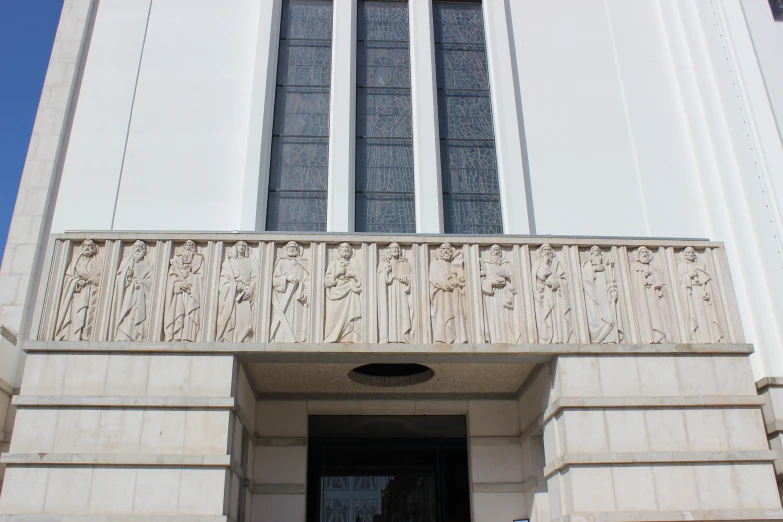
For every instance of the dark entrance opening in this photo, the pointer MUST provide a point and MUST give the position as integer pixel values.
(387, 469)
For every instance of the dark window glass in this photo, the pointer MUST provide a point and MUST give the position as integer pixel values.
(300, 133)
(384, 145)
(471, 199)
(777, 9)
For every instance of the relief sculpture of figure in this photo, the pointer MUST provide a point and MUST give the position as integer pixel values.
(395, 315)
(76, 315)
(498, 293)
(696, 282)
(446, 292)
(552, 302)
(132, 288)
(236, 295)
(652, 312)
(600, 281)
(183, 295)
(343, 297)
(290, 282)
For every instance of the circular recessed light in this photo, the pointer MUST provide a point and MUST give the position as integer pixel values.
(391, 375)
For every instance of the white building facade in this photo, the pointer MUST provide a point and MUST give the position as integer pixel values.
(554, 228)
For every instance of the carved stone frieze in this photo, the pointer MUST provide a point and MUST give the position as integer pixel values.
(257, 288)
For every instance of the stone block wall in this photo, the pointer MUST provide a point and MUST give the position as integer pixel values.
(771, 389)
(671, 434)
(133, 435)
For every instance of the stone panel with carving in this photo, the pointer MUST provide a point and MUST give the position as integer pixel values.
(343, 283)
(260, 288)
(236, 295)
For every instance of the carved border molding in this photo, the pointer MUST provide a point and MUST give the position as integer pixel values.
(308, 289)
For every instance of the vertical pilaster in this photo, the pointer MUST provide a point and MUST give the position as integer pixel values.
(342, 120)
(259, 134)
(507, 117)
(426, 139)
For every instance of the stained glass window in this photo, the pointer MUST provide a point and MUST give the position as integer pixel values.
(777, 9)
(300, 132)
(384, 145)
(471, 198)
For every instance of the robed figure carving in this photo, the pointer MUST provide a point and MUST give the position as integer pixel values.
(499, 295)
(447, 284)
(290, 283)
(698, 288)
(132, 289)
(600, 282)
(652, 311)
(236, 295)
(343, 297)
(76, 316)
(552, 301)
(395, 314)
(182, 314)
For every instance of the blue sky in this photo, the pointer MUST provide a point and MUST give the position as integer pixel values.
(27, 30)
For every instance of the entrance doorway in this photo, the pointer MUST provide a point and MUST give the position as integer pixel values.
(387, 469)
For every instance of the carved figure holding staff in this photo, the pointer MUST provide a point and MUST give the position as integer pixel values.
(600, 282)
(498, 295)
(290, 280)
(652, 310)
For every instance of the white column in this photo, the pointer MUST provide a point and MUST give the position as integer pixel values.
(342, 120)
(262, 110)
(426, 139)
(509, 140)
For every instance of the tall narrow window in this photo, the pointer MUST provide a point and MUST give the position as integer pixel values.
(777, 9)
(471, 199)
(300, 135)
(384, 145)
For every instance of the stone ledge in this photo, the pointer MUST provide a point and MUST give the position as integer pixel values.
(769, 382)
(679, 401)
(506, 487)
(79, 401)
(277, 489)
(280, 441)
(728, 515)
(336, 351)
(7, 388)
(773, 428)
(359, 237)
(489, 440)
(114, 459)
(113, 518)
(660, 457)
